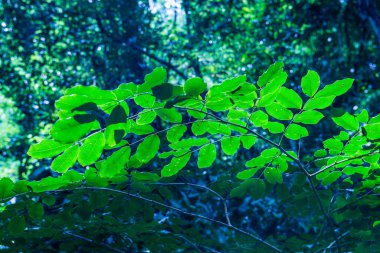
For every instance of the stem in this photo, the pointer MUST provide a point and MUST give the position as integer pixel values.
(205, 188)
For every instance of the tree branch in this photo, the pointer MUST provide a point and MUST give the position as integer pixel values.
(151, 201)
(205, 188)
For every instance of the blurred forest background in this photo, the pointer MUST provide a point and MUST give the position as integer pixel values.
(47, 46)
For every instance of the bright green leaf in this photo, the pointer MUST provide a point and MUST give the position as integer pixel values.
(176, 133)
(311, 117)
(347, 121)
(65, 161)
(289, 98)
(68, 130)
(91, 149)
(206, 156)
(47, 149)
(273, 175)
(295, 132)
(310, 83)
(148, 148)
(175, 165)
(279, 112)
(230, 145)
(195, 86)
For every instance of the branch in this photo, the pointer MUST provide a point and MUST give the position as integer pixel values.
(343, 161)
(205, 188)
(220, 223)
(92, 241)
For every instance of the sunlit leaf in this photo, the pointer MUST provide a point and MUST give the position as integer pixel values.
(65, 161)
(206, 156)
(310, 83)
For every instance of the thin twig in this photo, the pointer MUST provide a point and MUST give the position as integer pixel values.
(205, 188)
(94, 242)
(221, 223)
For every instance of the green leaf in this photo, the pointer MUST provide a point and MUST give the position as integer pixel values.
(343, 136)
(84, 118)
(273, 175)
(170, 115)
(17, 225)
(92, 149)
(93, 93)
(320, 153)
(176, 133)
(248, 141)
(118, 115)
(347, 121)
(71, 102)
(376, 223)
(93, 179)
(125, 91)
(289, 98)
(295, 132)
(334, 145)
(49, 200)
(46, 149)
(310, 83)
(145, 100)
(319, 102)
(206, 156)
(245, 174)
(65, 161)
(194, 86)
(274, 127)
(279, 112)
(273, 87)
(69, 130)
(188, 143)
(166, 91)
(230, 145)
(237, 114)
(6, 186)
(199, 127)
(48, 184)
(336, 89)
(114, 134)
(115, 163)
(20, 186)
(310, 117)
(145, 176)
(218, 102)
(148, 148)
(218, 128)
(362, 116)
(132, 127)
(146, 117)
(232, 84)
(175, 165)
(372, 131)
(86, 107)
(272, 73)
(156, 77)
(254, 187)
(259, 118)
(36, 211)
(331, 178)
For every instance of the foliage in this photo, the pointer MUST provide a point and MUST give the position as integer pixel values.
(108, 147)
